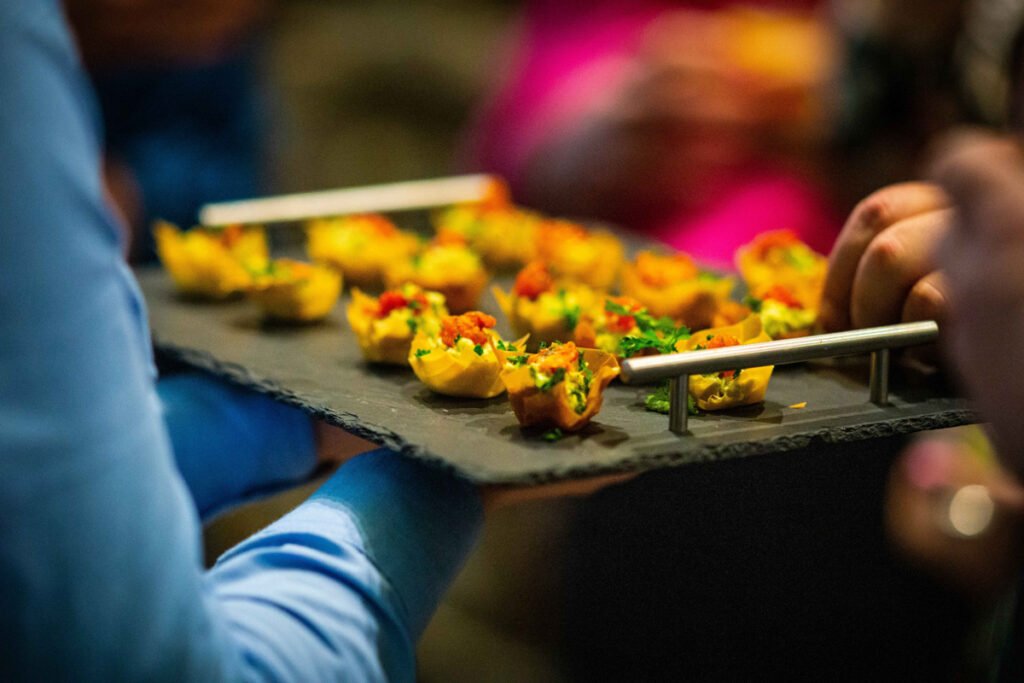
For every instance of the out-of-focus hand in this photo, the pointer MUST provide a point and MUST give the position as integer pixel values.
(956, 513)
(983, 256)
(155, 31)
(710, 86)
(706, 94)
(882, 269)
(736, 70)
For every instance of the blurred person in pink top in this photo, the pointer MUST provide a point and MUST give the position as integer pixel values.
(699, 123)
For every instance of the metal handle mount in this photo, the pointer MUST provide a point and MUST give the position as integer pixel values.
(677, 367)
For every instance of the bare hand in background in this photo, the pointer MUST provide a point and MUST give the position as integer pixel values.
(705, 94)
(882, 269)
(954, 512)
(983, 257)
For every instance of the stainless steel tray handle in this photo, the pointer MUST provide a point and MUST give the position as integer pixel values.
(677, 367)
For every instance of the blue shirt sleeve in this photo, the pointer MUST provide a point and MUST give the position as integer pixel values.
(100, 569)
(231, 444)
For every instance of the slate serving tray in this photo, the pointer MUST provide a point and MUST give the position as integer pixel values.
(320, 369)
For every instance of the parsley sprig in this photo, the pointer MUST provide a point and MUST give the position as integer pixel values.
(581, 392)
(557, 376)
(658, 402)
(552, 434)
(661, 334)
(570, 312)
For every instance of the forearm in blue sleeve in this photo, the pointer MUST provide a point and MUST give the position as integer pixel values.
(393, 531)
(230, 443)
(100, 568)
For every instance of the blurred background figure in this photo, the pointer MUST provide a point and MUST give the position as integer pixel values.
(182, 108)
(700, 122)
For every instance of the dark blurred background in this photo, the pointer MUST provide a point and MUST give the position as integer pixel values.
(376, 90)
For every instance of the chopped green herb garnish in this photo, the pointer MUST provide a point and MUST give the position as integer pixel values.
(753, 303)
(617, 308)
(571, 317)
(518, 360)
(413, 325)
(658, 402)
(587, 373)
(579, 401)
(478, 349)
(799, 257)
(422, 352)
(649, 339)
(552, 434)
(661, 334)
(570, 312)
(557, 376)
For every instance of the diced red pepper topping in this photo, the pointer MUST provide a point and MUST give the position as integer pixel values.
(230, 235)
(557, 356)
(496, 196)
(533, 280)
(447, 237)
(721, 341)
(660, 271)
(555, 236)
(774, 239)
(381, 225)
(783, 295)
(293, 270)
(622, 323)
(557, 231)
(394, 300)
(469, 326)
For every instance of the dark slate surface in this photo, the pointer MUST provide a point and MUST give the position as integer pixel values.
(319, 368)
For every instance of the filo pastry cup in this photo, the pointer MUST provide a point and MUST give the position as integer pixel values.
(464, 370)
(385, 326)
(293, 291)
(673, 286)
(211, 263)
(556, 405)
(730, 388)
